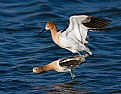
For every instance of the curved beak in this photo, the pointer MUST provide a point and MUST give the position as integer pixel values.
(40, 33)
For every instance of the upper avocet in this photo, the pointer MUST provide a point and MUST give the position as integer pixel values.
(74, 37)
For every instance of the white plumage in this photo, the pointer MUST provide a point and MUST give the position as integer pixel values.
(74, 37)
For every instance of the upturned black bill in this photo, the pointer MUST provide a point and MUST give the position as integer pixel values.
(40, 33)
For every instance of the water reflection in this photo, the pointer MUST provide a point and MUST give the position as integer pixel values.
(63, 88)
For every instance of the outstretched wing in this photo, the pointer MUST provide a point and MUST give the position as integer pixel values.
(81, 24)
(90, 22)
(96, 23)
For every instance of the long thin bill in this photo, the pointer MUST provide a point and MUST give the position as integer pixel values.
(40, 33)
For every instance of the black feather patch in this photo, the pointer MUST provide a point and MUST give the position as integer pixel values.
(71, 61)
(96, 23)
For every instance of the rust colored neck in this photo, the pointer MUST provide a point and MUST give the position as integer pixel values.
(48, 67)
(55, 35)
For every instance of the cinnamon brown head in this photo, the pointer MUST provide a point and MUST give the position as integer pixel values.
(38, 69)
(50, 26)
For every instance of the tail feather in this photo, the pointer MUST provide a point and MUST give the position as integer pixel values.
(85, 48)
(88, 51)
(85, 55)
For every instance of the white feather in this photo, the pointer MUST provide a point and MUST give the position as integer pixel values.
(74, 38)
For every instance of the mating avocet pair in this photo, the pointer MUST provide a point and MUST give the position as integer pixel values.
(74, 37)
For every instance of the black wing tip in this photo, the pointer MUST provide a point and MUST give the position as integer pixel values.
(97, 23)
(100, 18)
(99, 30)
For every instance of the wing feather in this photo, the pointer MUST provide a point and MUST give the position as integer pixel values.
(71, 61)
(79, 25)
(96, 23)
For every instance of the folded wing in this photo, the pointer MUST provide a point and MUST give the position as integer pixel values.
(71, 62)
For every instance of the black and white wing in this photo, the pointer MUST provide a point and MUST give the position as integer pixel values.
(79, 25)
(91, 22)
(71, 62)
(96, 23)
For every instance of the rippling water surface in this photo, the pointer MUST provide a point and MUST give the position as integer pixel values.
(20, 20)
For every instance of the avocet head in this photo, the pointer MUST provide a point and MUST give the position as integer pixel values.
(50, 26)
(38, 69)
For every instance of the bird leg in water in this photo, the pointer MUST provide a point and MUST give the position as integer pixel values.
(72, 75)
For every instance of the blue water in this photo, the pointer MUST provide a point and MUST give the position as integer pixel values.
(20, 20)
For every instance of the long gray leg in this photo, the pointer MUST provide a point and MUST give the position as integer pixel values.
(79, 53)
(72, 75)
